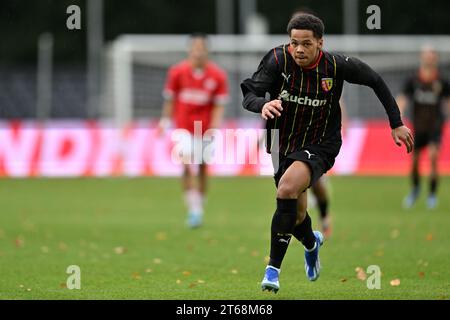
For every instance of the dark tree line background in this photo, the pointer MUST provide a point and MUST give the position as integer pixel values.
(22, 21)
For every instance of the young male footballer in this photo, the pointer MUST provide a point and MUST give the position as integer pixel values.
(304, 129)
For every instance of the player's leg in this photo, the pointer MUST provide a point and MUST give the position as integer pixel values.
(192, 197)
(411, 198)
(311, 240)
(433, 150)
(203, 179)
(187, 178)
(203, 183)
(320, 192)
(295, 180)
(303, 225)
(192, 194)
(208, 149)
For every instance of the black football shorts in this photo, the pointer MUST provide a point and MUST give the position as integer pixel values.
(422, 139)
(319, 157)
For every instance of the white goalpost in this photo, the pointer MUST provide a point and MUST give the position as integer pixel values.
(136, 67)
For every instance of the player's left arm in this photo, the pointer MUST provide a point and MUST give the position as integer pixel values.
(358, 72)
(220, 100)
(217, 116)
(344, 115)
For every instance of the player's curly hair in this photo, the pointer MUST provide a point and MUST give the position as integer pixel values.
(306, 21)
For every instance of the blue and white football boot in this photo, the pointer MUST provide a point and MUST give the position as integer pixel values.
(194, 220)
(312, 261)
(270, 281)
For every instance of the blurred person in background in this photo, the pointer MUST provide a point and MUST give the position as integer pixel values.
(195, 93)
(426, 92)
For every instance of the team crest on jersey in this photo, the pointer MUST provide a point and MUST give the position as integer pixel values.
(327, 84)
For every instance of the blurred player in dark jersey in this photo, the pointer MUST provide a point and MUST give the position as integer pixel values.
(304, 129)
(428, 92)
(195, 93)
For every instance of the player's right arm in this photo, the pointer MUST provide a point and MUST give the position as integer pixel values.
(166, 116)
(262, 81)
(402, 102)
(170, 90)
(402, 98)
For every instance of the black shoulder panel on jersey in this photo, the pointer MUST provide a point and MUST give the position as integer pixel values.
(263, 80)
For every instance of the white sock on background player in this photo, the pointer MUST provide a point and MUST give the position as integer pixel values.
(194, 201)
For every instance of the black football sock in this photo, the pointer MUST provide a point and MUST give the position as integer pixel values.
(303, 232)
(283, 223)
(323, 208)
(416, 181)
(433, 185)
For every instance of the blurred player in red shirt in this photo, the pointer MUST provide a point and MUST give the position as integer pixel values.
(195, 93)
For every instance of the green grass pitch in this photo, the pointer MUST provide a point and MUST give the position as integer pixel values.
(128, 237)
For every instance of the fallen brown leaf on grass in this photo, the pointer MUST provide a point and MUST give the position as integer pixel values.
(395, 233)
(429, 237)
(360, 273)
(344, 280)
(421, 274)
(395, 282)
(186, 273)
(379, 253)
(161, 236)
(212, 241)
(120, 250)
(136, 276)
(19, 242)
